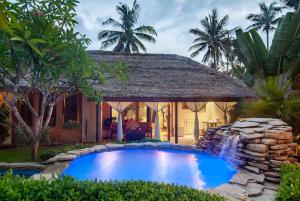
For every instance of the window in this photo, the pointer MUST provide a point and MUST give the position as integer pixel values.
(25, 113)
(71, 108)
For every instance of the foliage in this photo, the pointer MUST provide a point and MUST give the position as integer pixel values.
(266, 20)
(289, 188)
(127, 37)
(275, 101)
(291, 3)
(67, 188)
(4, 123)
(281, 60)
(71, 124)
(213, 38)
(42, 54)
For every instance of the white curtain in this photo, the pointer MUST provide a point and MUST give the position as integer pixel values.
(120, 107)
(225, 107)
(157, 106)
(196, 107)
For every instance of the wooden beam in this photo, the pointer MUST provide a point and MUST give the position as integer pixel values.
(97, 121)
(176, 122)
(169, 123)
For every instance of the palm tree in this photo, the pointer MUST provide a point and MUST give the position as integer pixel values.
(266, 19)
(127, 38)
(212, 38)
(291, 3)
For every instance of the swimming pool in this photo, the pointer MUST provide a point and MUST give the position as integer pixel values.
(25, 173)
(182, 167)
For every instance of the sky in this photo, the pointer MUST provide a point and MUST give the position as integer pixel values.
(172, 19)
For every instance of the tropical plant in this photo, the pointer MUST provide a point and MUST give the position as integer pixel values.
(40, 53)
(212, 38)
(291, 3)
(266, 20)
(271, 72)
(282, 59)
(127, 38)
(275, 101)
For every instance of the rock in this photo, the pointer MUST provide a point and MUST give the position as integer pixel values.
(272, 174)
(114, 146)
(260, 120)
(241, 178)
(278, 163)
(99, 148)
(280, 146)
(257, 147)
(79, 152)
(135, 145)
(56, 168)
(242, 155)
(231, 192)
(66, 157)
(277, 122)
(258, 178)
(245, 124)
(244, 136)
(278, 135)
(253, 141)
(255, 153)
(268, 141)
(252, 169)
(271, 186)
(267, 195)
(273, 180)
(281, 158)
(254, 189)
(284, 141)
(260, 166)
(47, 177)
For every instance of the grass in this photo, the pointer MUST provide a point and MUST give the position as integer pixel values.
(22, 154)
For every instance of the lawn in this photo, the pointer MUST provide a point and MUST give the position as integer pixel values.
(22, 154)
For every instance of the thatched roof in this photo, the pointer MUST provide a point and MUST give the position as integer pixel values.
(166, 77)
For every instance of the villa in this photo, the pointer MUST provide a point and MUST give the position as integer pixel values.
(156, 82)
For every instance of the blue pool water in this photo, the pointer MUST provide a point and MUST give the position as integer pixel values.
(25, 173)
(193, 169)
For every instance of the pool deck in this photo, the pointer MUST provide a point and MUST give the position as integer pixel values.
(244, 185)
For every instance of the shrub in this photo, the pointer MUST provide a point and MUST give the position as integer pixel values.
(67, 188)
(289, 188)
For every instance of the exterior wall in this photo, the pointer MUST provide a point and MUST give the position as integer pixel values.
(60, 135)
(88, 120)
(186, 117)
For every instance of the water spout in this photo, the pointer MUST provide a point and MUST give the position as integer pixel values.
(229, 148)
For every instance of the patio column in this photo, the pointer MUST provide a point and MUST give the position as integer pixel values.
(176, 122)
(98, 113)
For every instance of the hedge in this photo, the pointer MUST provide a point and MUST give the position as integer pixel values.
(289, 188)
(16, 188)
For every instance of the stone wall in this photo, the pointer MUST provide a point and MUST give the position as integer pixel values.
(264, 145)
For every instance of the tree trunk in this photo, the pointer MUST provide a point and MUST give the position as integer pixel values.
(34, 150)
(268, 39)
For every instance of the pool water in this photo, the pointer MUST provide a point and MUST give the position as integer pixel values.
(25, 173)
(193, 169)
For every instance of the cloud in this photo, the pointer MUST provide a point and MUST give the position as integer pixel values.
(171, 18)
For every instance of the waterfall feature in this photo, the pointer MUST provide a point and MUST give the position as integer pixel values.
(229, 147)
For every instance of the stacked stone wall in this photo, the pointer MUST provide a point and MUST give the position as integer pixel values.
(264, 145)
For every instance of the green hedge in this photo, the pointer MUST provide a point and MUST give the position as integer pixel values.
(289, 188)
(16, 188)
